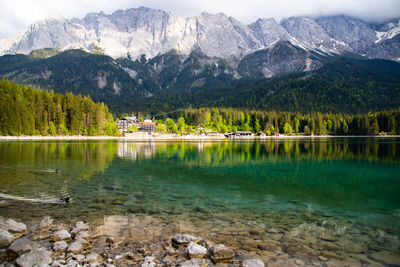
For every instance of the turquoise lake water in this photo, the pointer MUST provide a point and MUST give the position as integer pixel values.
(348, 188)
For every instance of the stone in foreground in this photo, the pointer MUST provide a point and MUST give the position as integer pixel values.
(79, 226)
(194, 263)
(35, 257)
(60, 235)
(220, 253)
(45, 224)
(76, 247)
(21, 246)
(5, 238)
(196, 251)
(60, 246)
(252, 263)
(15, 227)
(183, 240)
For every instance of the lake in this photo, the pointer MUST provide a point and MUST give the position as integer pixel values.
(338, 197)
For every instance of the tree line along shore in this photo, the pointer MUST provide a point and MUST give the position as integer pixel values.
(35, 112)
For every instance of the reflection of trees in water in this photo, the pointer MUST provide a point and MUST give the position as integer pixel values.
(217, 153)
(80, 159)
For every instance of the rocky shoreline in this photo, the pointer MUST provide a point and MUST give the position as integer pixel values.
(51, 243)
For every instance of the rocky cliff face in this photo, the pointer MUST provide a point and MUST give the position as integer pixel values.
(134, 32)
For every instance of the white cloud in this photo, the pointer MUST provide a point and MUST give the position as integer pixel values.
(16, 15)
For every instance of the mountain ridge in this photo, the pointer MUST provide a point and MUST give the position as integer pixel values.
(137, 31)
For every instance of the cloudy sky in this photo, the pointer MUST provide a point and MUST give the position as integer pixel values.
(16, 15)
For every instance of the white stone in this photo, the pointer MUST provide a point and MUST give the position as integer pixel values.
(21, 246)
(60, 246)
(5, 238)
(15, 227)
(182, 239)
(60, 235)
(75, 247)
(252, 263)
(38, 256)
(46, 223)
(196, 251)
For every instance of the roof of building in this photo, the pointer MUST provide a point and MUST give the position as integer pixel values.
(149, 123)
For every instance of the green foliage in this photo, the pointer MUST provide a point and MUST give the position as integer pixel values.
(26, 111)
(161, 128)
(171, 126)
(314, 123)
(133, 128)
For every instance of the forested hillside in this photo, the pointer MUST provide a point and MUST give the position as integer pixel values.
(317, 123)
(167, 83)
(28, 111)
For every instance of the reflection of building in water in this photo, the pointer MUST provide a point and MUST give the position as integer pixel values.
(135, 151)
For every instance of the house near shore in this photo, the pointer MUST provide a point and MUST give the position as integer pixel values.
(210, 133)
(124, 123)
(148, 126)
(243, 133)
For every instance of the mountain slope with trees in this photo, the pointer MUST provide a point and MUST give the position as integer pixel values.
(28, 111)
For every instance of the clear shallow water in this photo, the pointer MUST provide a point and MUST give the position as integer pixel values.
(288, 190)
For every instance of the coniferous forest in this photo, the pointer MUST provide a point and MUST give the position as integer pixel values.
(28, 111)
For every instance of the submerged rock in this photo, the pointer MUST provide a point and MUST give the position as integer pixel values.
(60, 235)
(79, 226)
(183, 240)
(45, 224)
(220, 253)
(21, 246)
(252, 263)
(5, 238)
(36, 257)
(387, 258)
(196, 251)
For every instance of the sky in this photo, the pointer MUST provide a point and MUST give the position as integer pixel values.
(16, 15)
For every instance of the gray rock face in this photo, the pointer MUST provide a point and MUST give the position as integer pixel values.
(35, 257)
(278, 59)
(21, 246)
(5, 238)
(220, 253)
(153, 32)
(268, 31)
(356, 33)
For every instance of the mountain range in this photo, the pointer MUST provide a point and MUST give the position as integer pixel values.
(151, 60)
(144, 31)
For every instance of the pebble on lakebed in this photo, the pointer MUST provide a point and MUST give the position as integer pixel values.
(80, 244)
